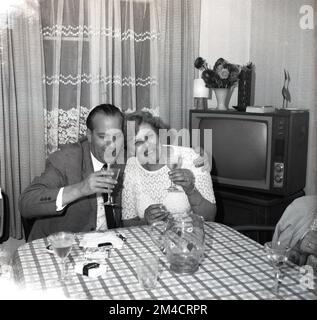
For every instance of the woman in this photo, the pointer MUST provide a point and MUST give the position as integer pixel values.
(147, 177)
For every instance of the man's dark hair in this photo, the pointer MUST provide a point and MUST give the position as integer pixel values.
(107, 109)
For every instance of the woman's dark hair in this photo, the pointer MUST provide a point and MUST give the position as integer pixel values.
(145, 117)
(107, 109)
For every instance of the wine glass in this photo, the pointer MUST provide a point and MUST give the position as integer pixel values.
(62, 243)
(116, 172)
(277, 256)
(174, 161)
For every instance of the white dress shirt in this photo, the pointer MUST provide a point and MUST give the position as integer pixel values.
(101, 217)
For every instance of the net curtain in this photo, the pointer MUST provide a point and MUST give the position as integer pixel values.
(96, 51)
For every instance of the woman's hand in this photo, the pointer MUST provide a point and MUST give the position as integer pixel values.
(183, 178)
(309, 243)
(155, 212)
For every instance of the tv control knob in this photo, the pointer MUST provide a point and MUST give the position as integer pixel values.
(278, 179)
(279, 167)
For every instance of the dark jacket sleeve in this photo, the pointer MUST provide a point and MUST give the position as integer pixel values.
(39, 198)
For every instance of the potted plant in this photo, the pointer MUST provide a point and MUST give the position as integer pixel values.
(221, 78)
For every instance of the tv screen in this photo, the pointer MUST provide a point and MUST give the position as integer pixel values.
(239, 150)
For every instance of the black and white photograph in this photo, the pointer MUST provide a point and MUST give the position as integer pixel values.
(157, 155)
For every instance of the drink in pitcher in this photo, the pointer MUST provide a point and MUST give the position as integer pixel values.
(182, 263)
(183, 241)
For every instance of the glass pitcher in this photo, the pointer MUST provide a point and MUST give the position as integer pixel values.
(182, 238)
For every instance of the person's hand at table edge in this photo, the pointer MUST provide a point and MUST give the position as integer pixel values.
(154, 213)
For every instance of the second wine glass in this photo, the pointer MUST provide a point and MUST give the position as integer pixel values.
(173, 161)
(277, 256)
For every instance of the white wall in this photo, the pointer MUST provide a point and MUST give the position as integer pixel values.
(267, 33)
(225, 32)
(277, 43)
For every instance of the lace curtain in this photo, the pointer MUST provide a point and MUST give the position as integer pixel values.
(96, 51)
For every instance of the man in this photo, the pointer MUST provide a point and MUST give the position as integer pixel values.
(68, 195)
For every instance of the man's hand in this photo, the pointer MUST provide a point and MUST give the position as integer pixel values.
(155, 212)
(202, 160)
(99, 181)
(183, 178)
(309, 243)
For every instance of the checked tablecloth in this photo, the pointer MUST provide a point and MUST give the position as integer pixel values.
(234, 267)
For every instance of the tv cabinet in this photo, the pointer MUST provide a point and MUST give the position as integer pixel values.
(238, 208)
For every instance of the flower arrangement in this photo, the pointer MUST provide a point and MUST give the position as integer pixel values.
(223, 74)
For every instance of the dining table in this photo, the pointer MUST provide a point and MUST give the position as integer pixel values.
(234, 267)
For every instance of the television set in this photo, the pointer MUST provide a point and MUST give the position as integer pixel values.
(263, 152)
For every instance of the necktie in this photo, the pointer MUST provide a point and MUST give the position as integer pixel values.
(108, 209)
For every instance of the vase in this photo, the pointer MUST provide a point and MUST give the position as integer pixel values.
(223, 97)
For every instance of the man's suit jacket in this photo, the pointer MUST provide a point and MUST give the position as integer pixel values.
(68, 166)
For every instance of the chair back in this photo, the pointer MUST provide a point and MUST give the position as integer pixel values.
(1, 215)
(4, 217)
(27, 227)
